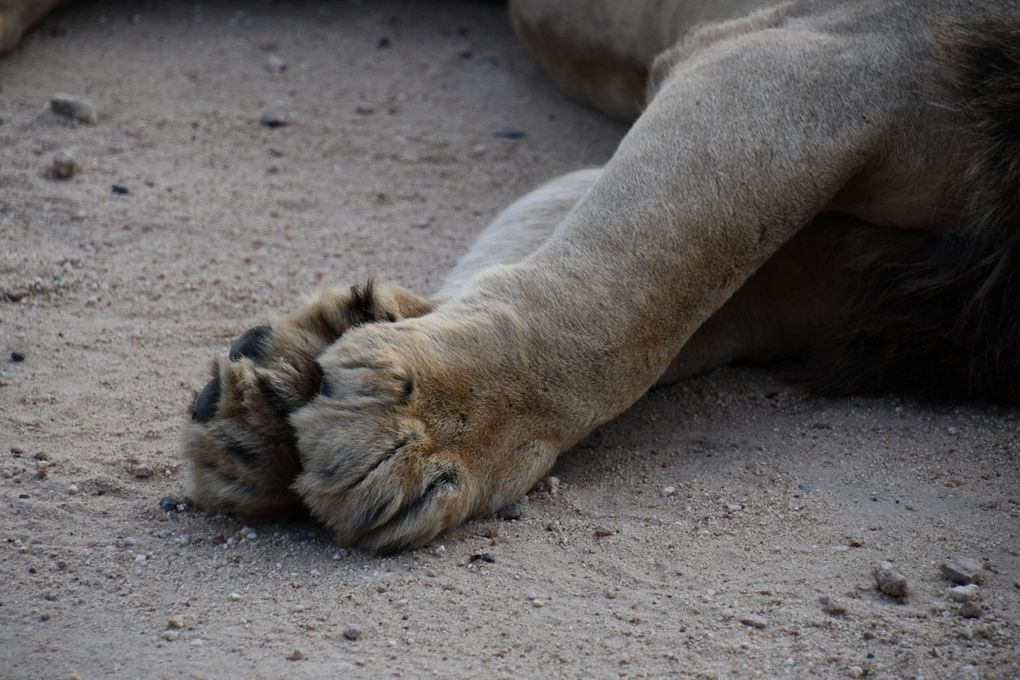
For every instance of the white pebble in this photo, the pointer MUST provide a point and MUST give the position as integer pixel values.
(965, 593)
(72, 489)
(668, 491)
(234, 597)
(77, 108)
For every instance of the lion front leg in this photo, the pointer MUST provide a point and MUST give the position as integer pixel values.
(428, 421)
(239, 445)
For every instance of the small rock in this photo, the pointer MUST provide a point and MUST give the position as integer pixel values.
(965, 593)
(15, 294)
(171, 635)
(17, 357)
(175, 623)
(270, 121)
(120, 189)
(856, 672)
(753, 621)
(64, 165)
(537, 603)
(275, 64)
(364, 110)
(234, 597)
(890, 581)
(383, 43)
(603, 532)
(971, 610)
(507, 133)
(551, 485)
(296, 655)
(832, 605)
(668, 491)
(484, 557)
(142, 471)
(76, 108)
(509, 512)
(352, 632)
(855, 542)
(963, 570)
(73, 489)
(169, 504)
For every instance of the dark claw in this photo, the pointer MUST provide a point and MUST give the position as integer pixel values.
(251, 344)
(208, 398)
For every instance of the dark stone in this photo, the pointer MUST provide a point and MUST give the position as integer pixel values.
(507, 133)
(17, 357)
(169, 504)
(119, 189)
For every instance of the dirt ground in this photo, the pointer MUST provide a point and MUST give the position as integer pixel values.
(388, 166)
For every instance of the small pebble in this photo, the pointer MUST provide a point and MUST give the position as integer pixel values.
(15, 294)
(856, 672)
(668, 491)
(270, 121)
(142, 471)
(753, 621)
(963, 570)
(855, 542)
(120, 189)
(890, 581)
(296, 655)
(971, 610)
(551, 485)
(603, 532)
(171, 635)
(64, 165)
(17, 357)
(965, 593)
(73, 489)
(507, 133)
(76, 108)
(176, 623)
(169, 504)
(537, 603)
(352, 632)
(832, 605)
(484, 557)
(383, 43)
(234, 597)
(509, 512)
(275, 64)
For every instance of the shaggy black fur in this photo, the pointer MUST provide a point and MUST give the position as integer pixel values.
(938, 313)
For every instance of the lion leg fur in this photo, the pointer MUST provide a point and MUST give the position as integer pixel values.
(16, 16)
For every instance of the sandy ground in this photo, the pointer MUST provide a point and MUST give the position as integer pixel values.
(388, 167)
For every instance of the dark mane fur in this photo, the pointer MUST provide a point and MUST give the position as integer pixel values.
(938, 313)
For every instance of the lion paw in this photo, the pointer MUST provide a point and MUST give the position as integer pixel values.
(408, 438)
(240, 448)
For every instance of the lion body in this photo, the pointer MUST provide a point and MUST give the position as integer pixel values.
(829, 181)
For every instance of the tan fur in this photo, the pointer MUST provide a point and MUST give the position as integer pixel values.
(770, 135)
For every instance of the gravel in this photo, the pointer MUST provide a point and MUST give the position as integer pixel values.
(753, 620)
(890, 581)
(965, 593)
(76, 108)
(962, 570)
